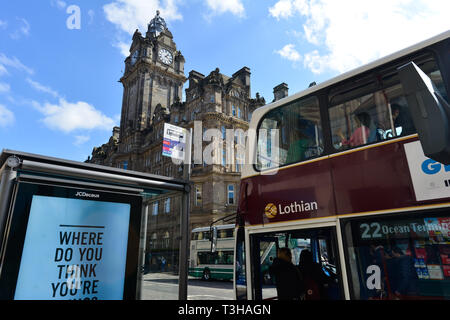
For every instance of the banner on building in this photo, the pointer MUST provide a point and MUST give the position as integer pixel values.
(174, 142)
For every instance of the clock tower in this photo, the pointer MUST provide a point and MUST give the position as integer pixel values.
(154, 75)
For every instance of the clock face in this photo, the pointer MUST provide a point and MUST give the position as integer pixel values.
(165, 56)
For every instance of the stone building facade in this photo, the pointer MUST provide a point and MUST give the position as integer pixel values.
(153, 81)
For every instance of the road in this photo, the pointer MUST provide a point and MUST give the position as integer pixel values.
(164, 286)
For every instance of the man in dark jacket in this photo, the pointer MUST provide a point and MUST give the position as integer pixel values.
(287, 277)
(406, 284)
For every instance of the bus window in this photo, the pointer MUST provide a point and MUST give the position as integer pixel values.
(366, 114)
(297, 131)
(240, 276)
(399, 257)
(270, 279)
(226, 233)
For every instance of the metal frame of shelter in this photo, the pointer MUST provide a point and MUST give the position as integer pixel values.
(21, 166)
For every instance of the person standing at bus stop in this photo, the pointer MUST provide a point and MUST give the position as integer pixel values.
(287, 277)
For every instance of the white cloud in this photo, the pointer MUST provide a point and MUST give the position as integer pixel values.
(91, 14)
(13, 63)
(40, 87)
(22, 30)
(218, 7)
(282, 9)
(129, 15)
(79, 140)
(350, 33)
(6, 116)
(123, 47)
(67, 116)
(3, 70)
(4, 87)
(3, 24)
(288, 52)
(58, 3)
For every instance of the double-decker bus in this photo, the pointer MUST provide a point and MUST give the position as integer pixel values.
(345, 178)
(210, 264)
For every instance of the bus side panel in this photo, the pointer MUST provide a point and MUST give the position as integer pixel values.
(373, 179)
(300, 192)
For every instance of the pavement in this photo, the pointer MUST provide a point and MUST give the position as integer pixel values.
(164, 286)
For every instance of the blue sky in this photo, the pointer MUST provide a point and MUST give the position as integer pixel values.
(59, 89)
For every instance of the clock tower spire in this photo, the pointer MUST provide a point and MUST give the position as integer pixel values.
(154, 74)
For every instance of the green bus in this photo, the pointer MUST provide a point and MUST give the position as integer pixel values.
(207, 264)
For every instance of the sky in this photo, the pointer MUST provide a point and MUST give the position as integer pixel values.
(60, 61)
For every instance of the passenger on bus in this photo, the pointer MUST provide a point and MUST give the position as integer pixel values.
(314, 279)
(299, 143)
(361, 134)
(287, 277)
(402, 120)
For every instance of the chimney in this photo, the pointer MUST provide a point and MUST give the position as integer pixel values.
(244, 75)
(280, 91)
(116, 132)
(194, 78)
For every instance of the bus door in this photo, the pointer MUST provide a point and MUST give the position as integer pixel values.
(265, 252)
(320, 244)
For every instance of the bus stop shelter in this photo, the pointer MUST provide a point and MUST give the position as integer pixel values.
(74, 230)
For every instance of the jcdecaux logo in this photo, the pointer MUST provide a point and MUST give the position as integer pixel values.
(87, 195)
(430, 167)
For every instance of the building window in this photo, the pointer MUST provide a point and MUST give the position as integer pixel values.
(167, 206)
(198, 195)
(224, 157)
(155, 208)
(230, 198)
(233, 110)
(153, 240)
(224, 132)
(239, 113)
(239, 159)
(166, 242)
(213, 98)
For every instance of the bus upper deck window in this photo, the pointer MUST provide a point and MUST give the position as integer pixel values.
(375, 109)
(370, 117)
(290, 134)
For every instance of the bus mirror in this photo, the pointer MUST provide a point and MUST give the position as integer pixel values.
(429, 111)
(213, 239)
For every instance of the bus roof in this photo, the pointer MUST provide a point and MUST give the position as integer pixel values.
(359, 70)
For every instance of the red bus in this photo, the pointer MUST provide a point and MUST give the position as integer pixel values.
(350, 187)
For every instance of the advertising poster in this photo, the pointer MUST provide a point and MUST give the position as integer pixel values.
(74, 249)
(438, 229)
(174, 141)
(430, 178)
